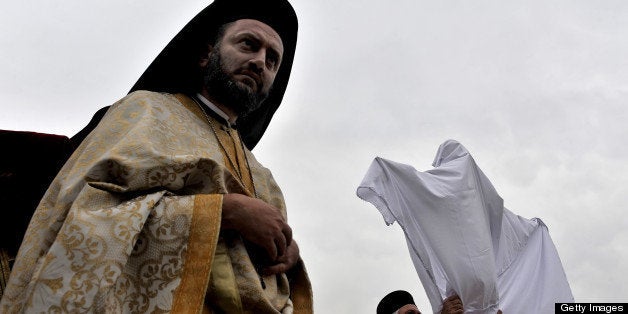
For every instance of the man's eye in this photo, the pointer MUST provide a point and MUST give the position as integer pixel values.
(248, 43)
(272, 59)
(271, 62)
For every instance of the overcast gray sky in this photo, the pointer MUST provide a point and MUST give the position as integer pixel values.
(536, 90)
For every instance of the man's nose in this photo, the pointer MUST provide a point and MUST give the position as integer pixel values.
(258, 62)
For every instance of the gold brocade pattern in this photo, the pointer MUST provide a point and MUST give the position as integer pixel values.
(132, 216)
(196, 271)
(245, 279)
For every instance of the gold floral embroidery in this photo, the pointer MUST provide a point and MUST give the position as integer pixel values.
(113, 231)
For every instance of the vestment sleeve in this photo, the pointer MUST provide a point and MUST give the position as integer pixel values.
(131, 222)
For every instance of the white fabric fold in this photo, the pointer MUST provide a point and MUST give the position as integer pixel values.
(461, 238)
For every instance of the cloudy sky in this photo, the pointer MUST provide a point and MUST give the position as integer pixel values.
(536, 90)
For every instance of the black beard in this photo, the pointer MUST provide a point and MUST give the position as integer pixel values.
(226, 91)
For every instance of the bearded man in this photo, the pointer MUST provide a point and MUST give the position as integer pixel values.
(162, 207)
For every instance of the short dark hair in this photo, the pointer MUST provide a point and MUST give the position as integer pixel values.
(394, 301)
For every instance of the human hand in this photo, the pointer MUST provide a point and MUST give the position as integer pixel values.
(284, 262)
(452, 305)
(257, 222)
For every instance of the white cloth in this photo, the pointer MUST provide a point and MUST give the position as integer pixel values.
(461, 238)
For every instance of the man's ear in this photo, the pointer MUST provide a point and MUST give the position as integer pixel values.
(203, 58)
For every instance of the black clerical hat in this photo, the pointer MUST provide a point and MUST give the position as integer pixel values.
(175, 70)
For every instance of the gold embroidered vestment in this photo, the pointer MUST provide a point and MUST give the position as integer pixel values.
(132, 222)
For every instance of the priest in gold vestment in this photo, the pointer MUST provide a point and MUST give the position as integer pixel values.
(163, 207)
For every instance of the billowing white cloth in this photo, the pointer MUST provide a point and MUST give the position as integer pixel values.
(461, 238)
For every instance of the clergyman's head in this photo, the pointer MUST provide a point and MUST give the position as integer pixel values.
(241, 64)
(400, 302)
(184, 62)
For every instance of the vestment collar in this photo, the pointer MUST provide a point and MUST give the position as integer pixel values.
(225, 118)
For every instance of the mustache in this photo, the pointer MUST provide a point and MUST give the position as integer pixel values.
(253, 75)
